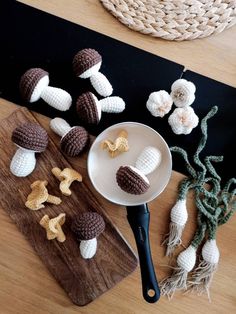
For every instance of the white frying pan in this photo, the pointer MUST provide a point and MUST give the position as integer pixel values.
(102, 172)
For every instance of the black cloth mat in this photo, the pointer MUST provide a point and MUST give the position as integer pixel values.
(32, 38)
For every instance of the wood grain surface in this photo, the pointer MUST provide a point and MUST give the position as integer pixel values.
(213, 56)
(83, 280)
(27, 287)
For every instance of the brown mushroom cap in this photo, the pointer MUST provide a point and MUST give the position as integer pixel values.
(87, 108)
(88, 225)
(29, 80)
(85, 59)
(130, 181)
(30, 136)
(74, 141)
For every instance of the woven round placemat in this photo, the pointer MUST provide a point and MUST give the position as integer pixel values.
(174, 19)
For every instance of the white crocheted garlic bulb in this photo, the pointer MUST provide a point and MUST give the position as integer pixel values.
(179, 214)
(178, 217)
(86, 64)
(183, 93)
(148, 160)
(178, 280)
(183, 120)
(159, 103)
(187, 259)
(34, 85)
(210, 252)
(202, 276)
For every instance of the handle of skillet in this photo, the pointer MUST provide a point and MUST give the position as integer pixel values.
(138, 218)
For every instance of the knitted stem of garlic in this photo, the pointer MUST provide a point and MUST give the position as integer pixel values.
(203, 274)
(185, 263)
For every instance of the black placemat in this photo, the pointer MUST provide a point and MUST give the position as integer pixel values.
(32, 38)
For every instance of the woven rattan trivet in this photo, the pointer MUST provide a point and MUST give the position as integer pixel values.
(174, 19)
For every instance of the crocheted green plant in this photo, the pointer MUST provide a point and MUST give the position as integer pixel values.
(215, 207)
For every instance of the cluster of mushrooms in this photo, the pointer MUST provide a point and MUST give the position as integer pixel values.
(34, 84)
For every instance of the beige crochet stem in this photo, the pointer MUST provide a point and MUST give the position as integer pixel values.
(174, 20)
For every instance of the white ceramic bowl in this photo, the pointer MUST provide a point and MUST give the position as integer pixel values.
(102, 168)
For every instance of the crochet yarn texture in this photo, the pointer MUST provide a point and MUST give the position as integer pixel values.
(34, 85)
(215, 207)
(174, 20)
(30, 138)
(86, 64)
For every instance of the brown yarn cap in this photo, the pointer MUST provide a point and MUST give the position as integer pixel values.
(74, 141)
(85, 59)
(87, 226)
(130, 181)
(30, 136)
(87, 108)
(29, 80)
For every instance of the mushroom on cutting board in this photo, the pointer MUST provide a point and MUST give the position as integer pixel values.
(30, 138)
(89, 108)
(87, 227)
(86, 64)
(73, 139)
(132, 179)
(34, 84)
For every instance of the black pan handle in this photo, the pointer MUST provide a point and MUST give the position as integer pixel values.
(138, 218)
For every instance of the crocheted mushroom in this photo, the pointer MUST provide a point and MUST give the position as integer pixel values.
(74, 139)
(30, 138)
(86, 64)
(133, 180)
(183, 93)
(89, 108)
(159, 103)
(183, 120)
(87, 227)
(34, 85)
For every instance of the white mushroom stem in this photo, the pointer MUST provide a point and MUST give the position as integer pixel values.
(101, 84)
(112, 104)
(60, 126)
(88, 248)
(23, 162)
(56, 98)
(98, 80)
(148, 160)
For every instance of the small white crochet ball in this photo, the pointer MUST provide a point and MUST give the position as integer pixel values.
(159, 103)
(183, 93)
(183, 120)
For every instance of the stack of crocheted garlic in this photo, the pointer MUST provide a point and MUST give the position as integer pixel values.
(183, 119)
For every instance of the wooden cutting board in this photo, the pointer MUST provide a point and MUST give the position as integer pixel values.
(83, 280)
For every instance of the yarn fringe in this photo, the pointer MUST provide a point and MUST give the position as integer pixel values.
(177, 281)
(201, 278)
(173, 238)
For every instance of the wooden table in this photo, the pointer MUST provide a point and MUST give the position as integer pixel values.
(27, 287)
